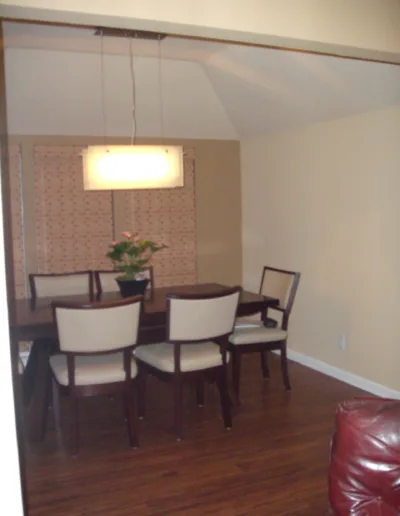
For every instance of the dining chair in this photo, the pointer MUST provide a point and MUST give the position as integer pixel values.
(61, 284)
(255, 336)
(198, 326)
(96, 344)
(19, 381)
(18, 393)
(104, 281)
(52, 285)
(21, 366)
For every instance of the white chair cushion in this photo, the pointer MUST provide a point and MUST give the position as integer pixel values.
(247, 322)
(92, 370)
(194, 357)
(256, 334)
(20, 366)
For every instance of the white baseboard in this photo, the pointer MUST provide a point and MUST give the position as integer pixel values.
(343, 376)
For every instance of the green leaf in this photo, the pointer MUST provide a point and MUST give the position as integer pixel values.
(132, 257)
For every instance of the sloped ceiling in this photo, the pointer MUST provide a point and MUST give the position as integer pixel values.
(207, 89)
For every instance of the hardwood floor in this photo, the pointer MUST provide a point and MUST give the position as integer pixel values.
(273, 462)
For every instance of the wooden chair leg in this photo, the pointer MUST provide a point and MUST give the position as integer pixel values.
(55, 391)
(178, 408)
(200, 393)
(284, 367)
(141, 391)
(264, 364)
(225, 399)
(236, 373)
(74, 426)
(130, 410)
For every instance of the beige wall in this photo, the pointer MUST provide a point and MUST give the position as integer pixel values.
(217, 199)
(324, 200)
(366, 28)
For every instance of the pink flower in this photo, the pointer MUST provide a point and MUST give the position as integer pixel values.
(126, 234)
(136, 237)
(114, 242)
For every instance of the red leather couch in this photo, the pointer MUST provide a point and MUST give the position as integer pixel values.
(364, 471)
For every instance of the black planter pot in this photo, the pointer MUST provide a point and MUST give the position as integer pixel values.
(134, 287)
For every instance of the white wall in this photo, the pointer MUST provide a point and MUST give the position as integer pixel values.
(59, 93)
(325, 201)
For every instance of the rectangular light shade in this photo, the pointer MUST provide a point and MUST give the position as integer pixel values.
(126, 167)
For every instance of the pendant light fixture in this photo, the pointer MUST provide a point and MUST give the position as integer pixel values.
(125, 167)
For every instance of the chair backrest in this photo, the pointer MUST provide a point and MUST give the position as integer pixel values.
(97, 327)
(105, 280)
(196, 318)
(281, 284)
(63, 284)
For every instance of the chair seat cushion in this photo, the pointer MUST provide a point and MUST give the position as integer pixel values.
(20, 366)
(247, 322)
(92, 370)
(194, 357)
(255, 334)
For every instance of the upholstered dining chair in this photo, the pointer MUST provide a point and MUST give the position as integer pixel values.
(52, 285)
(21, 366)
(104, 281)
(252, 336)
(20, 371)
(96, 343)
(198, 327)
(61, 284)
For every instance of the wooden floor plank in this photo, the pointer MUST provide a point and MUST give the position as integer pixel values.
(272, 462)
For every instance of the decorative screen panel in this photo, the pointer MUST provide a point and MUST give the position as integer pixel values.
(17, 220)
(168, 216)
(73, 227)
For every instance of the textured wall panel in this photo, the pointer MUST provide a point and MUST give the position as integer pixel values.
(168, 216)
(74, 227)
(17, 220)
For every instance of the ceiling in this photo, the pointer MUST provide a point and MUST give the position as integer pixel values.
(259, 90)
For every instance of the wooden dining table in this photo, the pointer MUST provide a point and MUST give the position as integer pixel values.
(33, 321)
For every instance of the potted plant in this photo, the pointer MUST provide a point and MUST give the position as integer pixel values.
(132, 256)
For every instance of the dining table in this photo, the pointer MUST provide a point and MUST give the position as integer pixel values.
(32, 320)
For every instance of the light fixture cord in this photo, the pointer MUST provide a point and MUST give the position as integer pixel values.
(103, 96)
(133, 134)
(160, 92)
